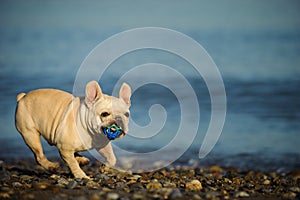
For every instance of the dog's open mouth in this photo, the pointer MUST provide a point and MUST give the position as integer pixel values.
(113, 131)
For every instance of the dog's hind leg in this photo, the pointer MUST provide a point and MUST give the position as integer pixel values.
(81, 159)
(33, 140)
(69, 158)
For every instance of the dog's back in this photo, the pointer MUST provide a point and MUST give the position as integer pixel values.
(41, 110)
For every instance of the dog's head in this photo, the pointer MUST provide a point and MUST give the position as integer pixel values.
(105, 110)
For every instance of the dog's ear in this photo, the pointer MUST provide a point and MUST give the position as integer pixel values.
(93, 92)
(125, 93)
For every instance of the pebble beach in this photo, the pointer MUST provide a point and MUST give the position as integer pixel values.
(23, 179)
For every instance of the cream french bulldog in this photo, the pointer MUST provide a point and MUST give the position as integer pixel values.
(72, 124)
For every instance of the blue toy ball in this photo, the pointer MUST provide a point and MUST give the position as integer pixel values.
(112, 132)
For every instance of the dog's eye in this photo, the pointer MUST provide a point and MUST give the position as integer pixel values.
(126, 114)
(105, 114)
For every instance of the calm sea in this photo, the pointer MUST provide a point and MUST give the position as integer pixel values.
(260, 69)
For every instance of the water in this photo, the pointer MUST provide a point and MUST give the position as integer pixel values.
(260, 69)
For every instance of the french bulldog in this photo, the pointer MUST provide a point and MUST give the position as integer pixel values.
(72, 124)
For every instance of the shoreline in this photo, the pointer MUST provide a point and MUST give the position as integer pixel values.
(24, 179)
(15, 149)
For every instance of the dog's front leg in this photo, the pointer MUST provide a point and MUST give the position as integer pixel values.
(69, 158)
(108, 154)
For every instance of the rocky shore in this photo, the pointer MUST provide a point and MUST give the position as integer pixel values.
(26, 180)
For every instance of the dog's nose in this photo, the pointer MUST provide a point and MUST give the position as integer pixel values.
(119, 121)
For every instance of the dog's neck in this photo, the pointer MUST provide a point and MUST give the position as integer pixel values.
(90, 138)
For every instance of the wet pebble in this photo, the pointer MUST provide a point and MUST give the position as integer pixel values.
(175, 194)
(154, 185)
(193, 185)
(295, 189)
(72, 184)
(41, 186)
(212, 195)
(17, 185)
(138, 196)
(92, 185)
(289, 195)
(62, 182)
(26, 178)
(169, 184)
(267, 182)
(174, 182)
(241, 194)
(215, 169)
(102, 176)
(4, 195)
(112, 196)
(55, 176)
(95, 197)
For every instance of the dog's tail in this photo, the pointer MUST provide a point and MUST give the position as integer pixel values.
(20, 96)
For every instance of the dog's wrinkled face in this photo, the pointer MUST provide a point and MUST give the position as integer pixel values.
(104, 110)
(111, 110)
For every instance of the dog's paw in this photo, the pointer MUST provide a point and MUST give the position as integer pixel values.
(82, 176)
(111, 162)
(82, 160)
(53, 166)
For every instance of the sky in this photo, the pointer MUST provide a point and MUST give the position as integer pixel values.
(224, 15)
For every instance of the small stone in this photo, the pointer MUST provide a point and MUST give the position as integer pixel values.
(236, 181)
(29, 196)
(215, 169)
(295, 189)
(26, 177)
(295, 174)
(169, 185)
(267, 182)
(120, 185)
(80, 198)
(137, 186)
(176, 194)
(227, 180)
(131, 181)
(55, 176)
(4, 195)
(197, 196)
(40, 185)
(72, 185)
(95, 197)
(102, 176)
(92, 185)
(194, 185)
(62, 182)
(17, 184)
(27, 185)
(289, 195)
(106, 189)
(266, 190)
(78, 180)
(165, 192)
(5, 189)
(138, 196)
(112, 196)
(212, 195)
(136, 177)
(241, 194)
(154, 185)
